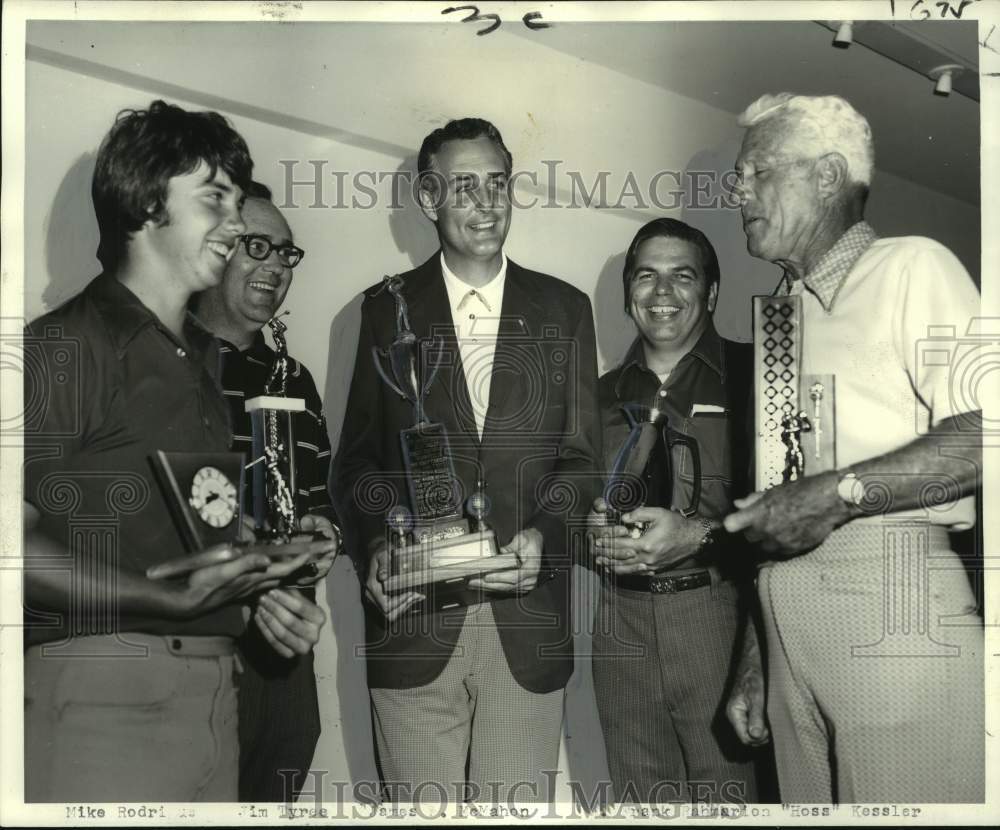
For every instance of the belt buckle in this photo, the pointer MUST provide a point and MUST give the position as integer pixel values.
(664, 585)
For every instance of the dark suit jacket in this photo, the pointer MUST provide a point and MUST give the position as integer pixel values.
(539, 458)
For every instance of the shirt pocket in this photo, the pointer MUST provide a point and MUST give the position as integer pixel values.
(711, 431)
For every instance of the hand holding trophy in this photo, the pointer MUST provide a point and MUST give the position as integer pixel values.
(432, 547)
(205, 493)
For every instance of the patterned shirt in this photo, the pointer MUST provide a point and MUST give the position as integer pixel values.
(244, 375)
(826, 279)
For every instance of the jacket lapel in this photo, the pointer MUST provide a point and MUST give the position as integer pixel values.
(447, 399)
(520, 318)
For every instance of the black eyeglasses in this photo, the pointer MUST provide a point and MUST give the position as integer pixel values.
(260, 247)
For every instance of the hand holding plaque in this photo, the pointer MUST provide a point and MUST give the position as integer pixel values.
(432, 547)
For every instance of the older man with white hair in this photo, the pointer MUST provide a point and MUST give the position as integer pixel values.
(874, 641)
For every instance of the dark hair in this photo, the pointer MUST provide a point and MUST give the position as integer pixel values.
(142, 152)
(672, 229)
(256, 190)
(459, 129)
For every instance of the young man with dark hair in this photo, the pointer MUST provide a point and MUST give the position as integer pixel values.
(468, 702)
(279, 707)
(129, 682)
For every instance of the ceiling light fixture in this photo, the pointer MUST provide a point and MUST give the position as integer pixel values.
(943, 75)
(845, 34)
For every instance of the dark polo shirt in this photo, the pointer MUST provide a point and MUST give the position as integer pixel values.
(106, 385)
(706, 396)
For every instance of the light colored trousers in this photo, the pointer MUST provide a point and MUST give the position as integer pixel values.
(474, 716)
(875, 658)
(160, 727)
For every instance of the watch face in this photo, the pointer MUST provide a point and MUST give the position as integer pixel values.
(213, 496)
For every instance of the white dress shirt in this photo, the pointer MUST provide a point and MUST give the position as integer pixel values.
(476, 314)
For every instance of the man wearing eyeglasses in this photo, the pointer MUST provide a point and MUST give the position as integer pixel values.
(278, 706)
(875, 687)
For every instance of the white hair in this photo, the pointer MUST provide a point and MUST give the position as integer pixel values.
(825, 124)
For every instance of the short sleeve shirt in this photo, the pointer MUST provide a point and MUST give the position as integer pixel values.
(107, 386)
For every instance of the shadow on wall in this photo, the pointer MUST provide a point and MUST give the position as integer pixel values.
(413, 236)
(71, 235)
(710, 208)
(615, 331)
(343, 589)
(412, 232)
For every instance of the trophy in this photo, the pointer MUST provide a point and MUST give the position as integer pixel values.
(272, 468)
(205, 491)
(625, 489)
(432, 543)
(793, 412)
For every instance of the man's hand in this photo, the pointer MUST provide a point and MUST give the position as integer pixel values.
(227, 573)
(746, 707)
(314, 523)
(669, 538)
(378, 572)
(527, 545)
(792, 518)
(288, 621)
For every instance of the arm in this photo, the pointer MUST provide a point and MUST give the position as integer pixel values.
(233, 573)
(793, 518)
(318, 515)
(746, 707)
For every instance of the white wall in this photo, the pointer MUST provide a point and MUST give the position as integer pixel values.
(360, 99)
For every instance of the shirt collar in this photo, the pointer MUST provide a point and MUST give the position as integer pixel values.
(258, 346)
(123, 312)
(487, 299)
(827, 277)
(708, 349)
(125, 316)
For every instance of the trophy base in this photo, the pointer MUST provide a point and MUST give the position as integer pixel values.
(442, 570)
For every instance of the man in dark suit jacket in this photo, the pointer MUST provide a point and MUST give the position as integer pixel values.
(468, 702)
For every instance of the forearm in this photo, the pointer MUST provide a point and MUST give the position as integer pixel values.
(750, 656)
(54, 579)
(941, 466)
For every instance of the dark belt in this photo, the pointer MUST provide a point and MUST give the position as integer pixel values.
(663, 584)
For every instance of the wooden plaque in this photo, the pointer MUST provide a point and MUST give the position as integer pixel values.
(781, 391)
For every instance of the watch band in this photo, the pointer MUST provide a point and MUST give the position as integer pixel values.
(707, 529)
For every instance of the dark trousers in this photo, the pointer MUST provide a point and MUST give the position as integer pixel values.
(661, 671)
(278, 721)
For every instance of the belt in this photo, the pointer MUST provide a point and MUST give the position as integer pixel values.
(663, 584)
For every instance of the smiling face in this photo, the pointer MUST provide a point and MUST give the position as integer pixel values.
(253, 290)
(473, 214)
(779, 201)
(199, 232)
(670, 298)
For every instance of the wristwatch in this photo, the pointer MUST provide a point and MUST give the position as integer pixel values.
(851, 490)
(706, 527)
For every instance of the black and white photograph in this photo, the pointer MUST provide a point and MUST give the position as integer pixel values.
(502, 412)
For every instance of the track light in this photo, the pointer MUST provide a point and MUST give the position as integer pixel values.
(845, 34)
(943, 75)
